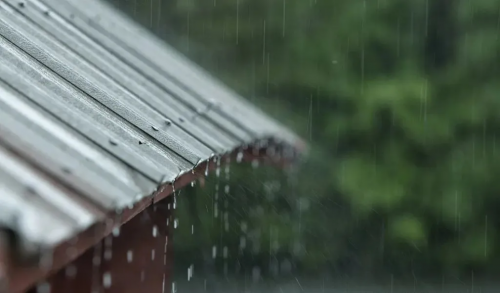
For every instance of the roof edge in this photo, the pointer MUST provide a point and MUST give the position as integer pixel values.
(23, 276)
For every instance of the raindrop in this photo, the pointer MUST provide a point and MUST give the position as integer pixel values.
(226, 189)
(154, 128)
(225, 252)
(239, 157)
(214, 251)
(46, 12)
(106, 280)
(43, 288)
(130, 256)
(168, 122)
(192, 229)
(181, 119)
(174, 288)
(192, 183)
(190, 272)
(141, 142)
(116, 231)
(21, 4)
(206, 169)
(139, 197)
(217, 169)
(176, 223)
(152, 254)
(155, 231)
(112, 142)
(255, 164)
(227, 169)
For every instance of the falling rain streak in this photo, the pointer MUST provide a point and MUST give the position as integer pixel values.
(395, 99)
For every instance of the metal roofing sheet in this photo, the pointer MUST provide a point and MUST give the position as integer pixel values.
(49, 206)
(94, 110)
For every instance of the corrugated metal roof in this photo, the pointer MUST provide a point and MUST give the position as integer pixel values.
(96, 113)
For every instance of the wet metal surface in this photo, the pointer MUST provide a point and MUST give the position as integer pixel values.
(96, 113)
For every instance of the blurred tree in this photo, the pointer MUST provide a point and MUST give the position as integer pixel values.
(399, 99)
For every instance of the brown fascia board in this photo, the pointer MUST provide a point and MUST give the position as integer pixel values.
(22, 277)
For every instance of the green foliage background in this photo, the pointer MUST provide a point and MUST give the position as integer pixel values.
(400, 101)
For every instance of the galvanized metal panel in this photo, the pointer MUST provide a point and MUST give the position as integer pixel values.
(29, 131)
(175, 67)
(134, 45)
(105, 111)
(121, 134)
(106, 92)
(105, 136)
(158, 99)
(39, 211)
(142, 71)
(45, 123)
(18, 174)
(30, 218)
